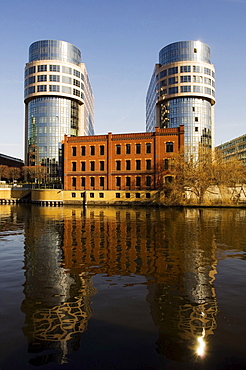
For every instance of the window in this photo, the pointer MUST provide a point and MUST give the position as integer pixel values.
(196, 129)
(148, 164)
(169, 147)
(138, 181)
(118, 165)
(128, 165)
(207, 90)
(138, 148)
(83, 151)
(54, 78)
(197, 88)
(73, 166)
(73, 181)
(76, 92)
(42, 88)
(74, 151)
(173, 80)
(82, 195)
(82, 166)
(163, 73)
(148, 181)
(207, 71)
(83, 182)
(184, 69)
(118, 149)
(128, 195)
(66, 80)
(128, 181)
(137, 195)
(92, 166)
(185, 79)
(91, 195)
(118, 181)
(173, 90)
(101, 165)
(185, 89)
(67, 70)
(101, 195)
(92, 150)
(147, 195)
(148, 148)
(76, 82)
(138, 164)
(73, 195)
(101, 149)
(55, 88)
(42, 68)
(195, 50)
(165, 164)
(117, 195)
(173, 70)
(92, 181)
(76, 73)
(66, 89)
(198, 79)
(101, 181)
(196, 119)
(54, 68)
(128, 149)
(197, 69)
(42, 78)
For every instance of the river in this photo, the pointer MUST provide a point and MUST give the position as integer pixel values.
(122, 288)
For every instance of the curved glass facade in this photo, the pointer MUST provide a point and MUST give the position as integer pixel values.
(182, 92)
(184, 50)
(59, 101)
(54, 50)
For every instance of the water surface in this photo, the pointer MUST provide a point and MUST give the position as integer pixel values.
(120, 288)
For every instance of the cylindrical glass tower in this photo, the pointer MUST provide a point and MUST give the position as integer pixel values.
(58, 100)
(182, 92)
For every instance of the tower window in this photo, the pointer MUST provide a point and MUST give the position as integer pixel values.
(148, 148)
(128, 149)
(148, 164)
(169, 147)
(101, 149)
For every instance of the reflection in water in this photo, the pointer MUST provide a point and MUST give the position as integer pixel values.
(173, 249)
(56, 302)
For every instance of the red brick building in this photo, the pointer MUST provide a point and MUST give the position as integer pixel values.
(135, 161)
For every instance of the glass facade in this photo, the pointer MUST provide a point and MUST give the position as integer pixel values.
(187, 97)
(59, 101)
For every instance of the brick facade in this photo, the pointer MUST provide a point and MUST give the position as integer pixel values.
(134, 161)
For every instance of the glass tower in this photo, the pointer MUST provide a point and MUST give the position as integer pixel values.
(182, 92)
(58, 100)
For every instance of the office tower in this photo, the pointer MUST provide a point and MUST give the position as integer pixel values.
(58, 101)
(182, 92)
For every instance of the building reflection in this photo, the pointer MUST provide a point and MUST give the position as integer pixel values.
(173, 249)
(57, 302)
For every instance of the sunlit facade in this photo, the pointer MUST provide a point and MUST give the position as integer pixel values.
(182, 92)
(58, 101)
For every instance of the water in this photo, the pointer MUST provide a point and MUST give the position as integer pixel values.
(120, 288)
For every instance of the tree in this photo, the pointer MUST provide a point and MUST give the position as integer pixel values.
(4, 172)
(199, 176)
(14, 173)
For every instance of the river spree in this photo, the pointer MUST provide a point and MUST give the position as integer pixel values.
(122, 288)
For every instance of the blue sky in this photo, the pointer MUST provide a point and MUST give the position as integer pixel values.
(120, 42)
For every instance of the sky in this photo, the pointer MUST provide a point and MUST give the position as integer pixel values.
(120, 41)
